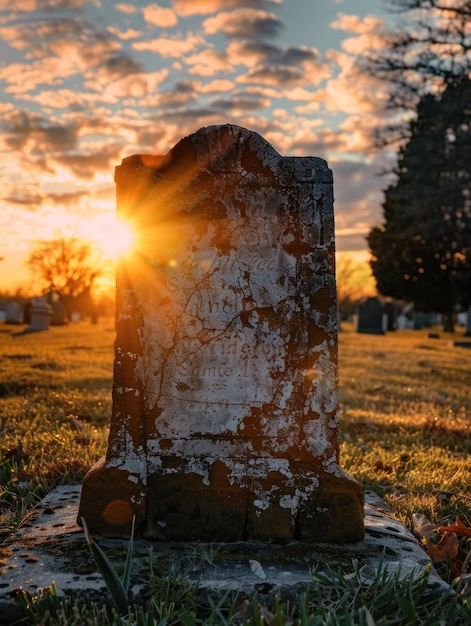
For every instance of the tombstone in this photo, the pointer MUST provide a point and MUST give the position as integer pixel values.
(371, 317)
(41, 313)
(59, 313)
(225, 403)
(403, 322)
(468, 322)
(13, 312)
(390, 311)
(27, 312)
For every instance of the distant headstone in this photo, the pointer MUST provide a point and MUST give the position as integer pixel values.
(13, 312)
(390, 311)
(59, 313)
(41, 313)
(27, 312)
(403, 322)
(418, 321)
(468, 323)
(371, 317)
(225, 400)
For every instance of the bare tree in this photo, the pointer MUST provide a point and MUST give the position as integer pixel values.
(354, 283)
(430, 49)
(70, 264)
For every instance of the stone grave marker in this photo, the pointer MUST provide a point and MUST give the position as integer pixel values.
(468, 322)
(371, 317)
(59, 313)
(41, 313)
(13, 312)
(225, 403)
(390, 311)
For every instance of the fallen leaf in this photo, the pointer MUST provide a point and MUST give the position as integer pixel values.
(422, 526)
(445, 550)
(458, 527)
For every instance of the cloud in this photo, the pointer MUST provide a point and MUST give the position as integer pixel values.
(135, 85)
(222, 85)
(276, 65)
(26, 199)
(273, 75)
(370, 33)
(160, 16)
(184, 92)
(86, 166)
(62, 99)
(126, 8)
(171, 46)
(203, 7)
(124, 35)
(209, 63)
(251, 52)
(244, 23)
(55, 51)
(34, 134)
(27, 6)
(70, 198)
(241, 103)
(353, 91)
(121, 65)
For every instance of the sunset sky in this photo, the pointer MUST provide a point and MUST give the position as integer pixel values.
(88, 82)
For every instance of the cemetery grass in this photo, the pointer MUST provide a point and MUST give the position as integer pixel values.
(405, 422)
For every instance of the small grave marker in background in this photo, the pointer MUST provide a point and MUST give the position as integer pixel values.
(372, 318)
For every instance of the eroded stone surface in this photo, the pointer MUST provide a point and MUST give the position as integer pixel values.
(225, 405)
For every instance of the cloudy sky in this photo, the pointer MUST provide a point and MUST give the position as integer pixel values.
(87, 82)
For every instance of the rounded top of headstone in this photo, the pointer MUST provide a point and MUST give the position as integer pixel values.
(230, 148)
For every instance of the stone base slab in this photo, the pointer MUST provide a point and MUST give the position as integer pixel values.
(52, 547)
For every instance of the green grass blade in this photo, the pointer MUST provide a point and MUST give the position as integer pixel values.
(127, 567)
(111, 578)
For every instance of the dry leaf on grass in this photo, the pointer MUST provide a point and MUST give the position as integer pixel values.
(458, 527)
(422, 526)
(445, 550)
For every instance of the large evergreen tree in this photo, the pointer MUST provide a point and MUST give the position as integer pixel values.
(422, 253)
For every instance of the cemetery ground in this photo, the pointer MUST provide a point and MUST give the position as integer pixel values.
(405, 402)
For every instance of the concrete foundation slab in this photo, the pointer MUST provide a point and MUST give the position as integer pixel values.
(51, 547)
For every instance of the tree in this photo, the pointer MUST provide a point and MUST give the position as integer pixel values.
(422, 253)
(70, 264)
(354, 283)
(429, 51)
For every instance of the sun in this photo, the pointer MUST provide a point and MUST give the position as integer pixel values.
(113, 236)
(121, 238)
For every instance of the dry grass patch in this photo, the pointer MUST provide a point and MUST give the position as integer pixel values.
(406, 420)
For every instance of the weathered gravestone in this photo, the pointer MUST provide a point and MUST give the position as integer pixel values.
(371, 317)
(225, 405)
